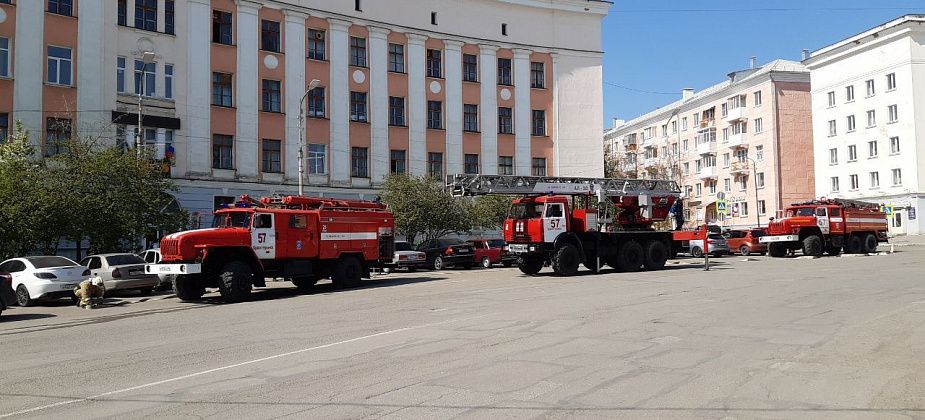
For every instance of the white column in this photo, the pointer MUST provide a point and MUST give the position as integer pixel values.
(379, 102)
(130, 134)
(198, 95)
(338, 96)
(247, 94)
(29, 65)
(522, 112)
(295, 88)
(454, 113)
(555, 116)
(488, 114)
(92, 67)
(161, 12)
(417, 105)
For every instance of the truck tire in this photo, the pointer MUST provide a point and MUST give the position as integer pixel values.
(656, 255)
(630, 257)
(777, 250)
(304, 283)
(530, 265)
(812, 246)
(870, 243)
(235, 281)
(348, 272)
(187, 288)
(855, 245)
(833, 250)
(566, 260)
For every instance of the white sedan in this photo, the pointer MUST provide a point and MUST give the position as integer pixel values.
(43, 277)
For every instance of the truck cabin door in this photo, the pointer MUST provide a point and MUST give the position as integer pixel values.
(822, 220)
(263, 236)
(300, 241)
(553, 221)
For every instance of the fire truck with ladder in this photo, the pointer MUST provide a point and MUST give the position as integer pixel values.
(556, 222)
(827, 226)
(297, 238)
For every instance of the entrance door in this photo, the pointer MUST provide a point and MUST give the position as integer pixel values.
(263, 236)
(822, 220)
(553, 221)
(897, 227)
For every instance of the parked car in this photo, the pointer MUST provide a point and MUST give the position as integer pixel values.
(121, 272)
(43, 277)
(745, 241)
(7, 296)
(442, 253)
(718, 246)
(153, 256)
(492, 251)
(407, 257)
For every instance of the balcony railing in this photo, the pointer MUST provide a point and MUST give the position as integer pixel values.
(735, 114)
(706, 148)
(650, 162)
(737, 140)
(707, 172)
(739, 168)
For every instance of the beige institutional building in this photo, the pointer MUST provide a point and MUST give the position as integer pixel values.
(747, 139)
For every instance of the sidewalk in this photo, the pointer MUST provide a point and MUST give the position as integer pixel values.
(908, 240)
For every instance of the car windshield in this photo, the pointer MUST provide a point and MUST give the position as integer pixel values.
(48, 262)
(124, 259)
(802, 211)
(402, 246)
(232, 219)
(496, 243)
(526, 210)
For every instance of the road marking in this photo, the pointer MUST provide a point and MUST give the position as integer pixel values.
(219, 369)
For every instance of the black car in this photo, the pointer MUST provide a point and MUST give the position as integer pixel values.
(7, 297)
(442, 253)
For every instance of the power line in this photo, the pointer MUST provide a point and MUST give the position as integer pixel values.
(765, 9)
(639, 90)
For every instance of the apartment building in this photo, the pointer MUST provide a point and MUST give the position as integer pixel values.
(447, 86)
(869, 119)
(746, 141)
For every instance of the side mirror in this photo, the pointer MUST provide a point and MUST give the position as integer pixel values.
(771, 219)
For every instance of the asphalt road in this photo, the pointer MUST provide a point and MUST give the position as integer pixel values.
(835, 338)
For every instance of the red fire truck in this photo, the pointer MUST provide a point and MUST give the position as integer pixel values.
(828, 226)
(556, 223)
(301, 239)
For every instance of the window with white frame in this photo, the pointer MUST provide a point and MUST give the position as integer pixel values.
(4, 57)
(145, 78)
(833, 156)
(854, 181)
(852, 153)
(168, 81)
(890, 81)
(743, 209)
(871, 88)
(851, 123)
(849, 93)
(834, 182)
(725, 160)
(59, 65)
(711, 186)
(316, 156)
(120, 74)
(683, 123)
(894, 145)
(699, 189)
(757, 98)
(762, 207)
(897, 177)
(833, 128)
(759, 125)
(831, 96)
(759, 153)
(875, 179)
(743, 183)
(872, 149)
(893, 112)
(759, 179)
(727, 185)
(871, 118)
(316, 44)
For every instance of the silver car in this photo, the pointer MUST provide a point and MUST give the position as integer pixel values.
(153, 256)
(121, 272)
(718, 246)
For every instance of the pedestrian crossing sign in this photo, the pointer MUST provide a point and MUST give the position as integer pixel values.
(721, 206)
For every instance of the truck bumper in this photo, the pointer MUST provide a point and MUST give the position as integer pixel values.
(779, 238)
(173, 268)
(520, 249)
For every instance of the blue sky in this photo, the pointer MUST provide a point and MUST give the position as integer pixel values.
(664, 46)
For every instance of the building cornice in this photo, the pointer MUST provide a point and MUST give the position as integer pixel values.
(871, 34)
(578, 6)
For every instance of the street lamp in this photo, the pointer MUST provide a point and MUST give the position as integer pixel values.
(147, 57)
(311, 86)
(755, 181)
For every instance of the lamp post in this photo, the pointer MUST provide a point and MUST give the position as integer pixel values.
(311, 86)
(147, 57)
(755, 181)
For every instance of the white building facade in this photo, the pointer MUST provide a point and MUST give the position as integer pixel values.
(868, 95)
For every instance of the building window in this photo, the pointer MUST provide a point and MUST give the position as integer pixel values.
(4, 127)
(871, 89)
(471, 118)
(759, 125)
(396, 111)
(505, 165)
(759, 179)
(221, 89)
(762, 208)
(222, 151)
(833, 156)
(272, 152)
(849, 93)
(4, 57)
(831, 99)
(61, 7)
(743, 183)
(711, 186)
(434, 64)
(316, 159)
(169, 17)
(397, 162)
(122, 13)
(872, 149)
(851, 123)
(221, 27)
(757, 98)
(725, 161)
(471, 164)
(854, 181)
(269, 35)
(875, 179)
(897, 177)
(168, 81)
(271, 96)
(316, 47)
(759, 153)
(871, 118)
(890, 82)
(356, 6)
(148, 74)
(433, 18)
(684, 124)
(538, 166)
(833, 128)
(59, 65)
(120, 74)
(893, 111)
(727, 185)
(146, 15)
(470, 68)
(537, 75)
(359, 162)
(434, 114)
(504, 71)
(397, 58)
(852, 153)
(699, 189)
(316, 102)
(539, 122)
(358, 106)
(57, 133)
(435, 164)
(743, 209)
(504, 29)
(835, 186)
(686, 145)
(894, 145)
(357, 51)
(505, 120)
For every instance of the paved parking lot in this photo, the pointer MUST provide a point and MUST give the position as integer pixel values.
(797, 338)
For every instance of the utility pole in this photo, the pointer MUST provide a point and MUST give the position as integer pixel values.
(147, 57)
(755, 181)
(311, 86)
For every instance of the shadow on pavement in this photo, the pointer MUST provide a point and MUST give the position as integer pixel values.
(275, 293)
(23, 317)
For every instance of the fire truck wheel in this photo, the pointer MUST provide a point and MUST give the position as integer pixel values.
(833, 250)
(870, 243)
(234, 281)
(630, 257)
(777, 250)
(438, 263)
(348, 272)
(530, 265)
(656, 255)
(812, 246)
(187, 288)
(855, 245)
(566, 259)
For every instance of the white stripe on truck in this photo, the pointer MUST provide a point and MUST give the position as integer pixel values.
(866, 220)
(348, 236)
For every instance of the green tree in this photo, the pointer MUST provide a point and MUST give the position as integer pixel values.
(423, 208)
(488, 212)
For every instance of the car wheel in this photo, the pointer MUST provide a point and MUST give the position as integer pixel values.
(744, 250)
(438, 263)
(22, 296)
(486, 262)
(697, 252)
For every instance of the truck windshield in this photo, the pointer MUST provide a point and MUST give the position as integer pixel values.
(802, 211)
(526, 210)
(232, 219)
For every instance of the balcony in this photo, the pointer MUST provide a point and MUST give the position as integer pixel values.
(737, 140)
(707, 172)
(707, 123)
(735, 114)
(650, 163)
(740, 168)
(706, 148)
(629, 144)
(649, 143)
